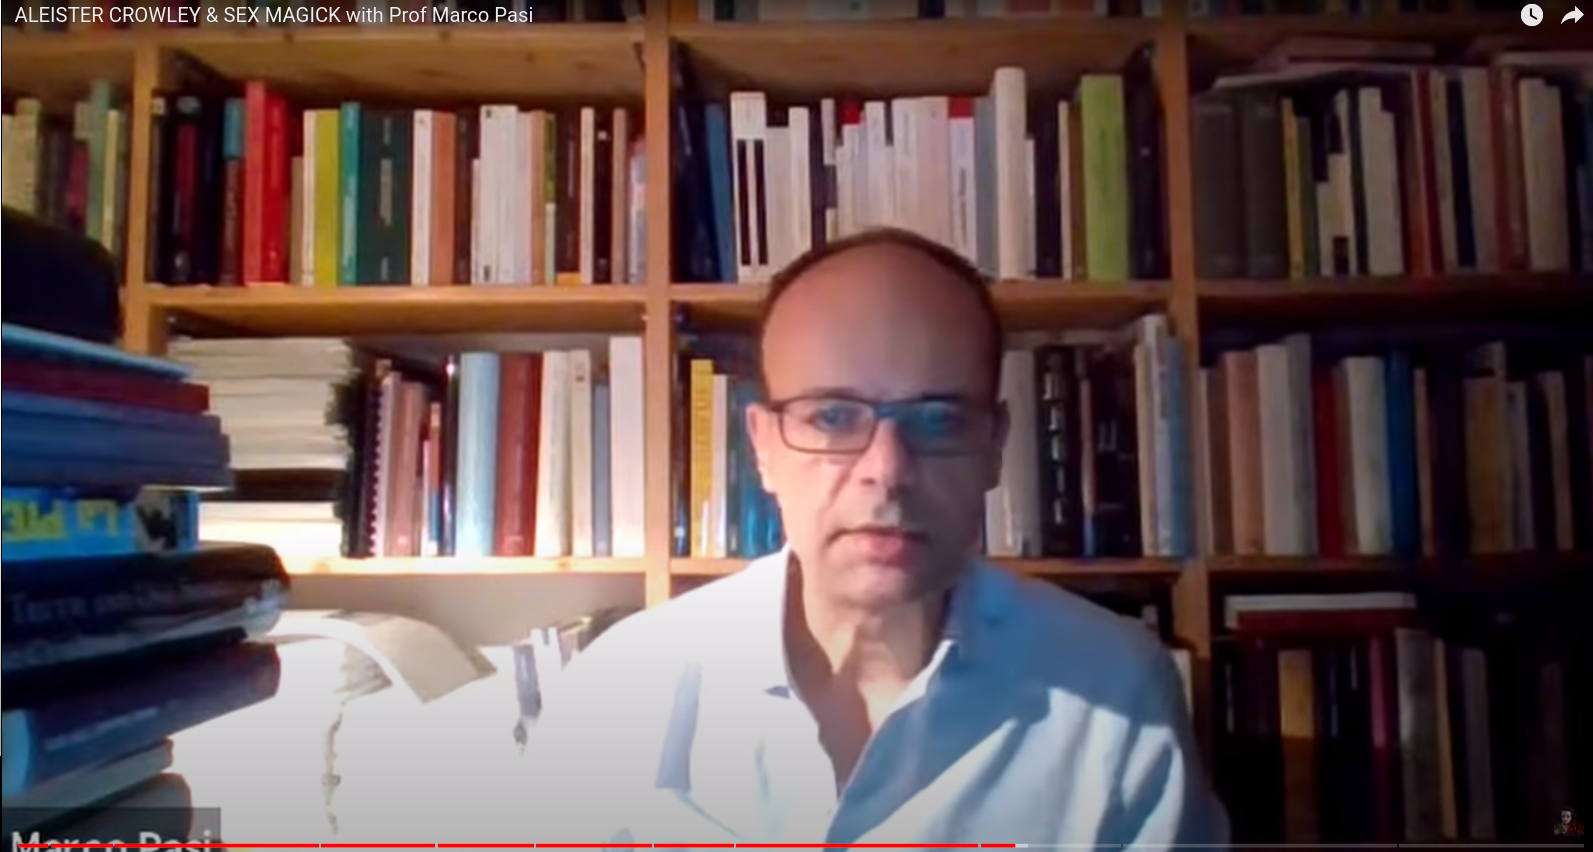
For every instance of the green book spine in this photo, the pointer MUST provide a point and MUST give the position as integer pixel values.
(349, 193)
(99, 107)
(1105, 141)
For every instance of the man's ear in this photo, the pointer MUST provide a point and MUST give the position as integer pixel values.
(763, 429)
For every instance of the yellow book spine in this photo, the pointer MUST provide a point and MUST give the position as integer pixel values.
(328, 199)
(1291, 190)
(701, 470)
(110, 210)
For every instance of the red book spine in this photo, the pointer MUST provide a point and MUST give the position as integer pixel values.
(510, 535)
(98, 386)
(274, 236)
(533, 443)
(255, 155)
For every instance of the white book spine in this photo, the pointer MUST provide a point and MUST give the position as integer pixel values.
(777, 193)
(627, 447)
(964, 188)
(879, 167)
(420, 235)
(588, 200)
(801, 180)
(829, 136)
(582, 526)
(933, 128)
(553, 458)
(1009, 91)
(1368, 445)
(307, 193)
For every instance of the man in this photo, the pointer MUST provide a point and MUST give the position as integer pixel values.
(875, 682)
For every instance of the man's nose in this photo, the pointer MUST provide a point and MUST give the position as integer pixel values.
(886, 461)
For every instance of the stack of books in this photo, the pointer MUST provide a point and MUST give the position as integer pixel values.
(119, 628)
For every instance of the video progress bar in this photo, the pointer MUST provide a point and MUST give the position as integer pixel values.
(55, 845)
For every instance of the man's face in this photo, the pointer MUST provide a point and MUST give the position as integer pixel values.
(882, 525)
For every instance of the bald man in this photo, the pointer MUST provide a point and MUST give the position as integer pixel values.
(873, 682)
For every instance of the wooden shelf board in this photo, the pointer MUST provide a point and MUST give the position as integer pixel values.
(1243, 38)
(1500, 565)
(1461, 298)
(883, 58)
(57, 68)
(459, 566)
(1105, 568)
(1025, 305)
(401, 310)
(564, 63)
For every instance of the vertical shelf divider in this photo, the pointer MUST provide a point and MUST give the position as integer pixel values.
(658, 345)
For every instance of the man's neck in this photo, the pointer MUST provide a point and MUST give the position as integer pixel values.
(867, 648)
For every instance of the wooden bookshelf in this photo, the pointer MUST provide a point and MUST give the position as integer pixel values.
(635, 64)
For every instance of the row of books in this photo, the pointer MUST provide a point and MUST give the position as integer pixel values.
(251, 191)
(285, 404)
(1361, 718)
(1093, 464)
(1346, 444)
(70, 172)
(121, 631)
(550, 453)
(47, 16)
(1022, 187)
(1392, 167)
(476, 454)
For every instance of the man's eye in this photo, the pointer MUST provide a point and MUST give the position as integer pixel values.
(939, 420)
(835, 418)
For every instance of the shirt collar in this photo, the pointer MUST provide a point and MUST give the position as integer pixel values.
(978, 603)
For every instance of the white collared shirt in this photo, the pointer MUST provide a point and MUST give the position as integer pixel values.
(1042, 718)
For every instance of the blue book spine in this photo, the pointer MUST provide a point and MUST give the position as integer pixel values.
(1181, 532)
(61, 736)
(1400, 422)
(80, 472)
(53, 523)
(743, 472)
(476, 469)
(717, 129)
(21, 340)
(24, 404)
(54, 437)
(232, 129)
(602, 494)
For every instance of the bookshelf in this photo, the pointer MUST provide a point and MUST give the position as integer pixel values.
(634, 64)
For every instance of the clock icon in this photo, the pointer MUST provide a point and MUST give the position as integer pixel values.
(1531, 14)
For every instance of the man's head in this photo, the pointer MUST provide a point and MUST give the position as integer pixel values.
(882, 427)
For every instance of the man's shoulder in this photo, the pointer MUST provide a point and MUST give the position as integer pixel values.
(682, 630)
(1068, 642)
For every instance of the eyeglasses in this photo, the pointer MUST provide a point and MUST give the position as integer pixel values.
(839, 426)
